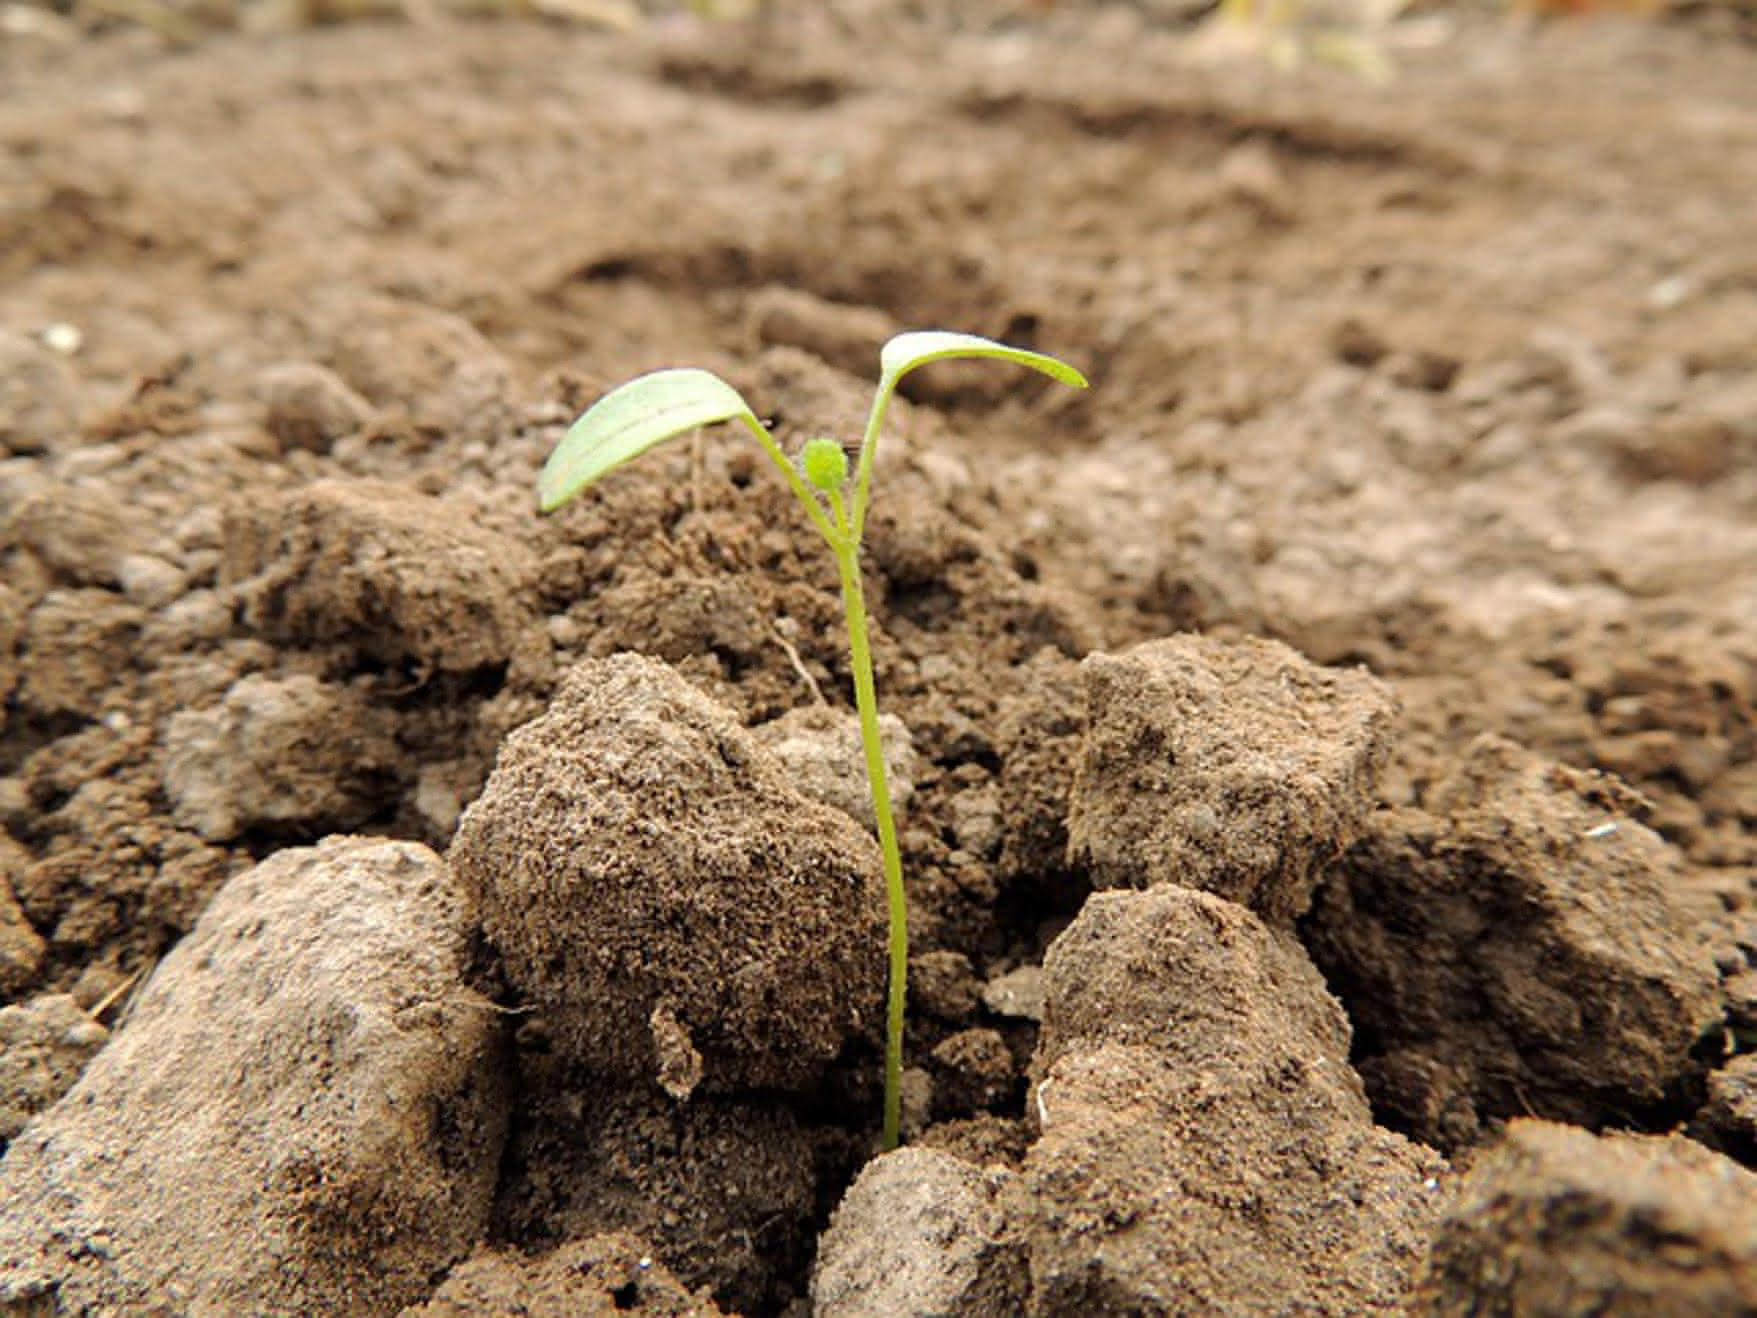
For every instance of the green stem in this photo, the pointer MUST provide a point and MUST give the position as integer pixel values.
(881, 399)
(801, 490)
(847, 548)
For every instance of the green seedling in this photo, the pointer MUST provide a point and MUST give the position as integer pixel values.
(647, 411)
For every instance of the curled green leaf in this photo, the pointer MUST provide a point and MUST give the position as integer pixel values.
(633, 418)
(907, 351)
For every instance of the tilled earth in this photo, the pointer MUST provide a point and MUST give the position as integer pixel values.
(1330, 742)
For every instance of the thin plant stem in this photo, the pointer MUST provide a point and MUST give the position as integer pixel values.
(881, 399)
(847, 549)
(832, 534)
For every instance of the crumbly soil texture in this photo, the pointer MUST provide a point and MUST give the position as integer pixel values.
(1326, 748)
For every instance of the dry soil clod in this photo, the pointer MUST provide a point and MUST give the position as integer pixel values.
(1587, 989)
(1205, 1147)
(636, 848)
(614, 1273)
(1556, 1220)
(45, 1044)
(922, 1232)
(820, 748)
(280, 752)
(393, 576)
(303, 1114)
(1239, 768)
(22, 948)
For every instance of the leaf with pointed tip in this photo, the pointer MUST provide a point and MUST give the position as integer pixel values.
(907, 351)
(631, 419)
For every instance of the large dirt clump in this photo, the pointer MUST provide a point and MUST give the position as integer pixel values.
(698, 942)
(1555, 1220)
(1238, 768)
(1205, 1147)
(919, 1232)
(303, 1114)
(390, 575)
(654, 884)
(1526, 890)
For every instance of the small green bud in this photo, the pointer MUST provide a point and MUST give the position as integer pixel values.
(824, 464)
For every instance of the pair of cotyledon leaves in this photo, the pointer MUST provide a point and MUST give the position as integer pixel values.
(647, 411)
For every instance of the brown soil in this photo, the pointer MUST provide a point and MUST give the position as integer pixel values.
(1451, 380)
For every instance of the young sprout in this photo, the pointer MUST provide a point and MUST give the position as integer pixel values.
(647, 411)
